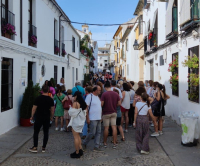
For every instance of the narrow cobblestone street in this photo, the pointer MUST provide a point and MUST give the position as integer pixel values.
(60, 145)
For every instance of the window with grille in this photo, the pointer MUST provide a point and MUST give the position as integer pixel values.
(161, 60)
(73, 44)
(175, 82)
(76, 74)
(6, 84)
(56, 74)
(193, 84)
(141, 25)
(63, 72)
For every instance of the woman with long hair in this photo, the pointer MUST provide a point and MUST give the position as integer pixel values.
(141, 122)
(59, 112)
(159, 110)
(78, 117)
(125, 106)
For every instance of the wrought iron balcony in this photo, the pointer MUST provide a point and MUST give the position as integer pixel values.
(56, 47)
(32, 35)
(7, 23)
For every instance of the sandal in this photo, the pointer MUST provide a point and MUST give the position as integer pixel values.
(113, 142)
(105, 145)
(122, 139)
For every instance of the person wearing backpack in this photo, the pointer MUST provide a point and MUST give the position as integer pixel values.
(67, 102)
(141, 122)
(59, 112)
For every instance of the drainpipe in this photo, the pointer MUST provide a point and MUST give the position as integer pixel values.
(59, 31)
(179, 22)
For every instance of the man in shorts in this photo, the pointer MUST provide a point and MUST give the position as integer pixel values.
(109, 101)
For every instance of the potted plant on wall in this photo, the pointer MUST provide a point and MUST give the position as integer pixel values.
(192, 62)
(56, 50)
(8, 30)
(33, 40)
(174, 82)
(64, 53)
(29, 96)
(173, 65)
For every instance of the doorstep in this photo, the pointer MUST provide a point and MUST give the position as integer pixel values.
(171, 144)
(11, 141)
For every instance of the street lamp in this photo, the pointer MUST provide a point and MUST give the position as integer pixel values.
(136, 45)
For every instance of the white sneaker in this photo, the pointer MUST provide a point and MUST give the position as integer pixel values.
(160, 133)
(156, 134)
(126, 131)
(144, 152)
(62, 129)
(56, 128)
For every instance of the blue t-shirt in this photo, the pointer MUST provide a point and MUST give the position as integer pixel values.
(78, 88)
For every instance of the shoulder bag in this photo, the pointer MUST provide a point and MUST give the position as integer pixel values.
(67, 103)
(141, 108)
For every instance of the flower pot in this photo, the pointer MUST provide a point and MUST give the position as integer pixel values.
(32, 45)
(7, 35)
(25, 122)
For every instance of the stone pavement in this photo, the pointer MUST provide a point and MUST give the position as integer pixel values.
(166, 150)
(171, 143)
(60, 146)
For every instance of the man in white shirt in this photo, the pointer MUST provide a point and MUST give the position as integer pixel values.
(93, 118)
(113, 86)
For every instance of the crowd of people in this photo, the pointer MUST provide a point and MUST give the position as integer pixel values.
(113, 103)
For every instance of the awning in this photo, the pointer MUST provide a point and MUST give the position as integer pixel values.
(168, 18)
(154, 19)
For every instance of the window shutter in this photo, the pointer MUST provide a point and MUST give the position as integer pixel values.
(185, 11)
(154, 19)
(168, 17)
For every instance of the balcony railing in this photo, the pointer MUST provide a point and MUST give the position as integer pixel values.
(56, 47)
(32, 35)
(7, 18)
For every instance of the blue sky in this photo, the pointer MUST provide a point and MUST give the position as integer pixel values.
(99, 11)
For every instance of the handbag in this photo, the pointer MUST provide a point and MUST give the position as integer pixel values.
(155, 104)
(67, 103)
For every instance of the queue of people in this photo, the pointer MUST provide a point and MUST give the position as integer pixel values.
(113, 103)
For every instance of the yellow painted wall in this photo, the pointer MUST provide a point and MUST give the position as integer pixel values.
(137, 33)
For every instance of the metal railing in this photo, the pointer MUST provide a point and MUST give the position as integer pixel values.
(56, 47)
(63, 46)
(32, 30)
(7, 16)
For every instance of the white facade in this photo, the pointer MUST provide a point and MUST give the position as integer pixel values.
(22, 54)
(180, 45)
(103, 58)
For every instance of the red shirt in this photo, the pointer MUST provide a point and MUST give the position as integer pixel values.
(111, 100)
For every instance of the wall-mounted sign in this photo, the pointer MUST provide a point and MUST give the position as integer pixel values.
(23, 71)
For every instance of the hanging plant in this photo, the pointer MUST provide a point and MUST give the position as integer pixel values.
(56, 50)
(150, 35)
(174, 82)
(193, 96)
(191, 62)
(33, 39)
(193, 79)
(63, 53)
(8, 28)
(173, 65)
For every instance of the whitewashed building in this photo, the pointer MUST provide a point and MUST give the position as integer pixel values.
(23, 59)
(172, 32)
(103, 58)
